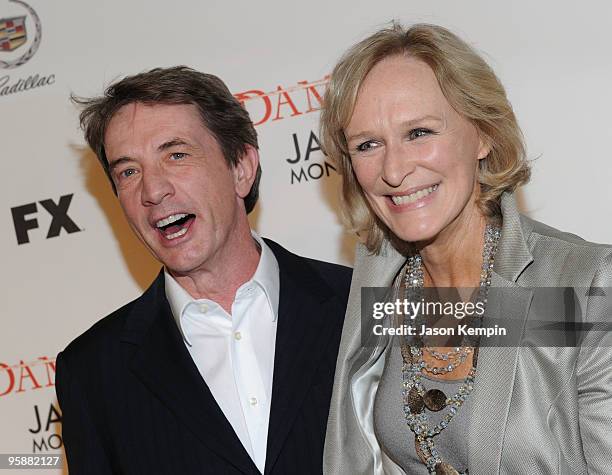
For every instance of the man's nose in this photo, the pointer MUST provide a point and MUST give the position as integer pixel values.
(156, 186)
(398, 163)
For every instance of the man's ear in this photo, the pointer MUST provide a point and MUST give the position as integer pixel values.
(245, 171)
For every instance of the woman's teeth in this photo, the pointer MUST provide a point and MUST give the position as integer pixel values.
(411, 198)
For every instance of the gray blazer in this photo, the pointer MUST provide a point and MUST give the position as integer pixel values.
(536, 410)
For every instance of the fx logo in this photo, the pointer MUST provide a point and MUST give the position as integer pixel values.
(59, 218)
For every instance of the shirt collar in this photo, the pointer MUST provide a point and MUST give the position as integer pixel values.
(266, 276)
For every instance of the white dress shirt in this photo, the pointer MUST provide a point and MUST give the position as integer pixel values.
(235, 353)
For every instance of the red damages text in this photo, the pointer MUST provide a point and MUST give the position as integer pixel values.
(23, 377)
(283, 103)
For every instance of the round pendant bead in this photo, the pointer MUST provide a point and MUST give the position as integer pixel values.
(435, 400)
(415, 401)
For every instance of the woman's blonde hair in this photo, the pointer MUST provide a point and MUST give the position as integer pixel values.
(470, 86)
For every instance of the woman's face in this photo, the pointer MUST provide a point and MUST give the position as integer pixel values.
(414, 156)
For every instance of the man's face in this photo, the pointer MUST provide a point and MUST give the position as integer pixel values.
(175, 187)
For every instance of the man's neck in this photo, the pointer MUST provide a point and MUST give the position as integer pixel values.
(225, 272)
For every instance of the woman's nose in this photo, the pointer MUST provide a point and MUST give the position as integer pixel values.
(397, 165)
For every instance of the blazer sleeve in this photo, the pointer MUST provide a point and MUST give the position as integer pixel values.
(85, 453)
(594, 376)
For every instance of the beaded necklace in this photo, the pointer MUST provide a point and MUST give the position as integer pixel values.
(415, 396)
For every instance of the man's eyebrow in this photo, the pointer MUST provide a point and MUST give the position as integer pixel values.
(164, 146)
(173, 143)
(114, 164)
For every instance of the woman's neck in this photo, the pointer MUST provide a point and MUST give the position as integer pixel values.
(454, 257)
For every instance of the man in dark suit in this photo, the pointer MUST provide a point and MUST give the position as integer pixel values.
(225, 364)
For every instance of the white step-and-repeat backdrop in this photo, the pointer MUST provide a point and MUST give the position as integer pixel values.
(69, 257)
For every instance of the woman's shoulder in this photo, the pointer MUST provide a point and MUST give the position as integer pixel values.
(538, 231)
(566, 256)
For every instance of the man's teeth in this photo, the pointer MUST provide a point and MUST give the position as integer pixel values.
(411, 198)
(177, 234)
(169, 220)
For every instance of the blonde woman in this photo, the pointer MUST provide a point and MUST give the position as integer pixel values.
(431, 153)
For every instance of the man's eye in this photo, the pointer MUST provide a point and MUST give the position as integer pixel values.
(366, 146)
(420, 132)
(127, 172)
(178, 155)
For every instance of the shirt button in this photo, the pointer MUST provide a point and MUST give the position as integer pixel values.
(253, 401)
(238, 335)
(203, 308)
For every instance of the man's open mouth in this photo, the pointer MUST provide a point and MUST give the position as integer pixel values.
(175, 225)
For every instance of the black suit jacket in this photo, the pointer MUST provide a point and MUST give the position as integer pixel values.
(134, 402)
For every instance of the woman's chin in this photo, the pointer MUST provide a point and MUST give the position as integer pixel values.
(423, 234)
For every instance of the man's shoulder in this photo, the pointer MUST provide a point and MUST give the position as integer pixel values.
(126, 323)
(101, 337)
(336, 276)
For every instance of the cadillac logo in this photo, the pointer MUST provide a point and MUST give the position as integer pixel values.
(14, 48)
(12, 33)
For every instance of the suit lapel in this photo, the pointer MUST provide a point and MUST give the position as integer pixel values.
(162, 362)
(307, 315)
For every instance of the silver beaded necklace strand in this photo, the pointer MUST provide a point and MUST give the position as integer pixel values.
(416, 398)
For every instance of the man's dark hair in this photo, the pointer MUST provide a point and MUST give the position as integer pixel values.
(220, 111)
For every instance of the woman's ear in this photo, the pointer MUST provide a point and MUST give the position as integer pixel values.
(484, 147)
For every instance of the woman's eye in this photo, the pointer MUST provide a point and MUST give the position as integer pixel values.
(420, 132)
(366, 146)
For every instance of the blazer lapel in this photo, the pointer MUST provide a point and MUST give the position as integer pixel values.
(490, 399)
(307, 315)
(162, 362)
(508, 303)
(381, 270)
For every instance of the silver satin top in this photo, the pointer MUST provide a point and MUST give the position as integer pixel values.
(394, 435)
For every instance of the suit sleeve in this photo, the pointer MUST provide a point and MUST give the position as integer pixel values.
(84, 451)
(594, 373)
